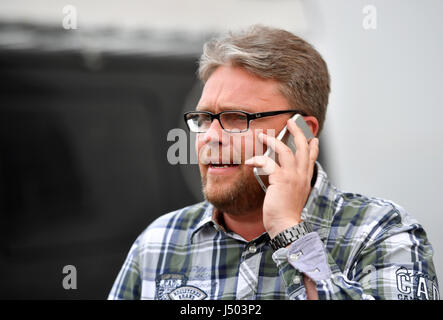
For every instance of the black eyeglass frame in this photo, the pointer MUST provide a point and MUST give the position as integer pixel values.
(249, 117)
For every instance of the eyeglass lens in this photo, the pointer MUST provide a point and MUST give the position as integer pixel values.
(230, 121)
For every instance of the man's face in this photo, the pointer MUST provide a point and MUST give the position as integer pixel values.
(233, 188)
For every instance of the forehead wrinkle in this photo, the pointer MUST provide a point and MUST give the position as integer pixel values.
(234, 102)
(235, 89)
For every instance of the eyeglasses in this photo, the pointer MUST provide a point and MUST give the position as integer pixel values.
(233, 121)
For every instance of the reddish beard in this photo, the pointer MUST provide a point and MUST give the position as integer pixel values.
(241, 196)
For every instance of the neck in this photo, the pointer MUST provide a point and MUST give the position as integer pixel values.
(249, 225)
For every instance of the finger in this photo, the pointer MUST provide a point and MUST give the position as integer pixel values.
(313, 154)
(301, 144)
(285, 154)
(265, 164)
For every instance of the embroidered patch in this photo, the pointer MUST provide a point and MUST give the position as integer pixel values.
(187, 293)
(165, 283)
(412, 285)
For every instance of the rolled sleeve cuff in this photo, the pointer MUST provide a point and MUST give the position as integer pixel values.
(308, 256)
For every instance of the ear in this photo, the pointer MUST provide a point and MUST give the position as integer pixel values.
(312, 122)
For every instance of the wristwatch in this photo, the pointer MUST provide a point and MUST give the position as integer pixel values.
(288, 236)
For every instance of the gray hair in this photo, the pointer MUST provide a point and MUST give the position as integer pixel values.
(277, 54)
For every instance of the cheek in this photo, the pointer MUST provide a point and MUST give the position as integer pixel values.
(244, 145)
(271, 132)
(198, 145)
(255, 143)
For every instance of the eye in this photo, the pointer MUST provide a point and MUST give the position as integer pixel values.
(235, 116)
(240, 116)
(200, 120)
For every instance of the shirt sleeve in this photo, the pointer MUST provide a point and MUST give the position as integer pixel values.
(396, 265)
(127, 285)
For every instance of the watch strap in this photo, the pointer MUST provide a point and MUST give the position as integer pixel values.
(286, 237)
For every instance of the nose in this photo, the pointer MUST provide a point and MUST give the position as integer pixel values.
(214, 134)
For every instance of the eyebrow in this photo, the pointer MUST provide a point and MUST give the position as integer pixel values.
(224, 108)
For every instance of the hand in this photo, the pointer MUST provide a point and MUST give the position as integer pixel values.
(290, 182)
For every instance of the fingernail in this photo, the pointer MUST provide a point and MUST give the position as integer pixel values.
(290, 119)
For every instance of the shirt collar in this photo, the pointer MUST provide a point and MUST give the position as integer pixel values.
(203, 228)
(319, 208)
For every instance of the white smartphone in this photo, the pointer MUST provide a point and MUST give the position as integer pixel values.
(286, 137)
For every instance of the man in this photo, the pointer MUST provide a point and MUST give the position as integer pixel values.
(303, 238)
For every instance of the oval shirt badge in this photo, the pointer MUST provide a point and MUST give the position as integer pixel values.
(187, 293)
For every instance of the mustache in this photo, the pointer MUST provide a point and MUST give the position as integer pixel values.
(216, 154)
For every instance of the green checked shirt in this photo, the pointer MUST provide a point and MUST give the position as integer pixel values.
(360, 248)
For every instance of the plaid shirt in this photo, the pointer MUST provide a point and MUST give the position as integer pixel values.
(373, 249)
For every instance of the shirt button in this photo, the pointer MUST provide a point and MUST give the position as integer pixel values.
(296, 280)
(294, 256)
(252, 249)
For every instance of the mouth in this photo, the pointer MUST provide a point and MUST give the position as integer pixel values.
(217, 169)
(214, 165)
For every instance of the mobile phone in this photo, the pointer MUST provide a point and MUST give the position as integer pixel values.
(286, 137)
